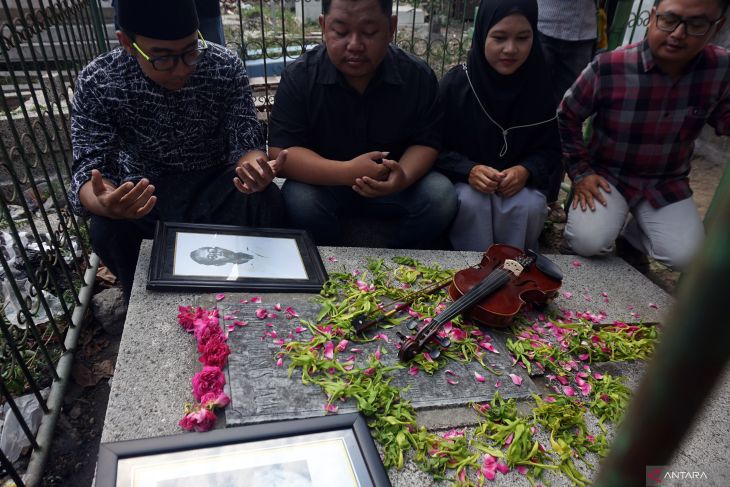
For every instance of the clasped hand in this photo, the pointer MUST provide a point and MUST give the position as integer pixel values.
(373, 180)
(506, 183)
(252, 178)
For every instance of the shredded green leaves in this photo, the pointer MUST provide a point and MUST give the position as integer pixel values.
(552, 437)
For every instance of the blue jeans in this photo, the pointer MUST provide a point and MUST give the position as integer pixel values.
(425, 210)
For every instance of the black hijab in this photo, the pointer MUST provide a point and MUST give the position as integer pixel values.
(523, 97)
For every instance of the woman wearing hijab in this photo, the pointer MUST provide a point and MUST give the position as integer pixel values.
(501, 139)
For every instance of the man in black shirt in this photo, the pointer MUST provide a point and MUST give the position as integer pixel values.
(361, 121)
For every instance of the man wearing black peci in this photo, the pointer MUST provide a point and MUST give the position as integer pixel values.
(164, 128)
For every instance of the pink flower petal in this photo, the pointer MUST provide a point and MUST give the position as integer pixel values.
(521, 469)
(488, 346)
(562, 379)
(332, 258)
(243, 301)
(585, 388)
(598, 376)
(330, 408)
(577, 263)
(280, 362)
(567, 295)
(516, 379)
(653, 305)
(550, 399)
(508, 440)
(261, 313)
(329, 350)
(299, 329)
(451, 381)
(498, 384)
(584, 356)
(231, 327)
(413, 371)
(502, 468)
(277, 307)
(479, 377)
(256, 299)
(290, 313)
(342, 345)
(568, 391)
(220, 297)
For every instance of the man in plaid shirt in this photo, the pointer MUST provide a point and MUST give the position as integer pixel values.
(650, 101)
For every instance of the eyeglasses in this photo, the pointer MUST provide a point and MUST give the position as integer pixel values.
(169, 62)
(693, 26)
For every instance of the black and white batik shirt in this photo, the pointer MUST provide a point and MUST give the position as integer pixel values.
(128, 127)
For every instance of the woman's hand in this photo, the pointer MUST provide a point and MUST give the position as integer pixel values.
(485, 179)
(515, 178)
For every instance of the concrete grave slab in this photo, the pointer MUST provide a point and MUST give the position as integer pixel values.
(260, 391)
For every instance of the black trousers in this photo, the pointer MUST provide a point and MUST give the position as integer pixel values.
(206, 196)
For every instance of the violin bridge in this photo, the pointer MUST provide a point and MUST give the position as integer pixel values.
(513, 266)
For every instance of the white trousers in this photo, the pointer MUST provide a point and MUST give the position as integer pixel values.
(670, 235)
(486, 219)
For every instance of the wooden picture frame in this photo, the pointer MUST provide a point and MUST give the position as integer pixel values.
(328, 450)
(187, 256)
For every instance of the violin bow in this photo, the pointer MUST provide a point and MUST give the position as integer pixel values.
(361, 322)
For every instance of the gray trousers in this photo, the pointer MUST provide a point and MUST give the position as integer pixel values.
(486, 219)
(670, 235)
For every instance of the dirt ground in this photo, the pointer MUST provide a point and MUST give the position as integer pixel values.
(76, 442)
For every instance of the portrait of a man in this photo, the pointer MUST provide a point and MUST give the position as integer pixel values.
(219, 256)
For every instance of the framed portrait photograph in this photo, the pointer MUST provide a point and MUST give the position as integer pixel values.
(219, 257)
(328, 450)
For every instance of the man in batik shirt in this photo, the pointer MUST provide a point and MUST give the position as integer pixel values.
(165, 128)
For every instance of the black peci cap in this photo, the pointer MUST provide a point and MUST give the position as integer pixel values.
(166, 20)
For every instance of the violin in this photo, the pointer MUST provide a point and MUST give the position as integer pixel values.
(491, 294)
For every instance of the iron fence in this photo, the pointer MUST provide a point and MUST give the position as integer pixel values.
(46, 266)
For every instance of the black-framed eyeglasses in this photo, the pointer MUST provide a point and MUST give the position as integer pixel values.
(693, 26)
(169, 62)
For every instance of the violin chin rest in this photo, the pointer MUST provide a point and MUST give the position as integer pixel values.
(546, 266)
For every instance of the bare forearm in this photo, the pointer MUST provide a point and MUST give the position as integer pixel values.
(417, 161)
(307, 166)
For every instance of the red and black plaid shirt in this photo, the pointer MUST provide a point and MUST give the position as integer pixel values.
(645, 123)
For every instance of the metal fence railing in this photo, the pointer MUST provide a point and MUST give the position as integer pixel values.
(46, 265)
(46, 271)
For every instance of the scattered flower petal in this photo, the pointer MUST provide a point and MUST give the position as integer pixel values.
(277, 307)
(220, 297)
(479, 377)
(256, 299)
(332, 258)
(577, 263)
(261, 313)
(568, 391)
(413, 371)
(329, 350)
(516, 379)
